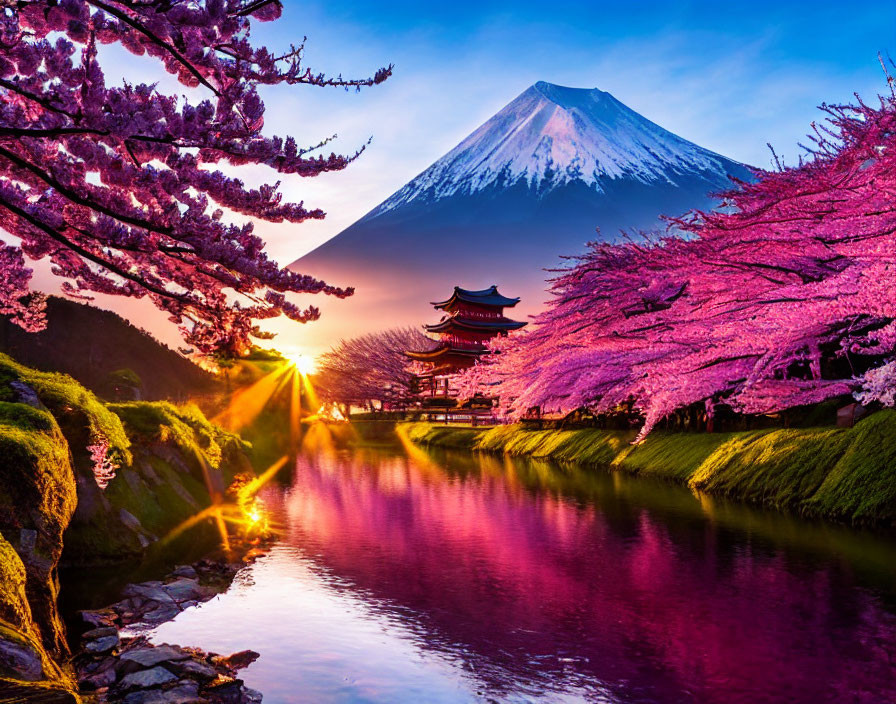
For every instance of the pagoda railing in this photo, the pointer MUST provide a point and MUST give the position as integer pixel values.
(459, 343)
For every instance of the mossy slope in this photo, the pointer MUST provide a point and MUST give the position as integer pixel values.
(171, 461)
(180, 462)
(844, 474)
(37, 499)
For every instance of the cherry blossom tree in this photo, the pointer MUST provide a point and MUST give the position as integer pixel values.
(782, 298)
(370, 368)
(118, 185)
(104, 467)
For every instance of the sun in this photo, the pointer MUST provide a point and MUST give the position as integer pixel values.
(304, 363)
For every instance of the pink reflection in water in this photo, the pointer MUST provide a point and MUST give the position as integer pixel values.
(640, 599)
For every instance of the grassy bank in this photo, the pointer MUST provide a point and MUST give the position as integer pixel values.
(846, 474)
(170, 461)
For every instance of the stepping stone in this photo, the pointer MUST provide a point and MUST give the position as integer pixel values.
(100, 633)
(194, 670)
(160, 614)
(147, 678)
(99, 617)
(150, 657)
(148, 590)
(184, 589)
(103, 644)
(182, 694)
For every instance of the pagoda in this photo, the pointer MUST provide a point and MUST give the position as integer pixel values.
(470, 320)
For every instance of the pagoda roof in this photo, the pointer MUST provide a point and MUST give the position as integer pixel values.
(440, 353)
(485, 297)
(486, 325)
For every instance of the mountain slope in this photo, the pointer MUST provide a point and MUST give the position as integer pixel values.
(551, 136)
(531, 184)
(89, 344)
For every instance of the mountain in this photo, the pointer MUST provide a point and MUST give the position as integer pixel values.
(532, 183)
(90, 344)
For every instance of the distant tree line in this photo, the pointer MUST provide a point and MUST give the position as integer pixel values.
(371, 369)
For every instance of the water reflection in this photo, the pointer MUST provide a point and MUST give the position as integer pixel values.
(439, 577)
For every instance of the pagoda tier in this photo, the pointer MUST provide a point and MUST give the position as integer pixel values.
(486, 326)
(486, 298)
(446, 355)
(472, 319)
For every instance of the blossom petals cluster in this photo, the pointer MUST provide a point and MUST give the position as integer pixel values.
(782, 297)
(120, 186)
(371, 367)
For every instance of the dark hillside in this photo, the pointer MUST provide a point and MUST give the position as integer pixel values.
(91, 344)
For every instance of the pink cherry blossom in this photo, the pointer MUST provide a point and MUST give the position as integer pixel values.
(117, 185)
(372, 367)
(103, 467)
(781, 298)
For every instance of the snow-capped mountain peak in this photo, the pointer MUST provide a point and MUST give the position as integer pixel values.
(551, 135)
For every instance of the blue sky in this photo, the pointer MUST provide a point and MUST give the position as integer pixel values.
(729, 76)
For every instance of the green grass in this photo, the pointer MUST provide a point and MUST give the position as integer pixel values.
(37, 492)
(185, 427)
(845, 474)
(37, 485)
(176, 451)
(80, 414)
(863, 481)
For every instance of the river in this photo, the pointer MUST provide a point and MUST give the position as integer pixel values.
(411, 575)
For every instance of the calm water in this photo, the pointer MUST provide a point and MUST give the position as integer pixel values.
(414, 576)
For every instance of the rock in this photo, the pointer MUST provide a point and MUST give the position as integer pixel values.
(102, 645)
(15, 693)
(187, 693)
(193, 669)
(25, 394)
(143, 540)
(130, 521)
(184, 589)
(151, 591)
(102, 678)
(130, 605)
(187, 571)
(225, 690)
(237, 661)
(252, 696)
(150, 657)
(20, 660)
(99, 617)
(160, 614)
(100, 632)
(154, 677)
(27, 542)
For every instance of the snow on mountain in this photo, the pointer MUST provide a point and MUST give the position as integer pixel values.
(555, 168)
(551, 135)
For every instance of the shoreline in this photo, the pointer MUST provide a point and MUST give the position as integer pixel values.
(845, 475)
(116, 663)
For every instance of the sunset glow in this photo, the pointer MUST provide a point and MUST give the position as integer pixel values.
(303, 362)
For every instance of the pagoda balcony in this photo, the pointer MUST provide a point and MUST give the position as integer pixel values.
(461, 344)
